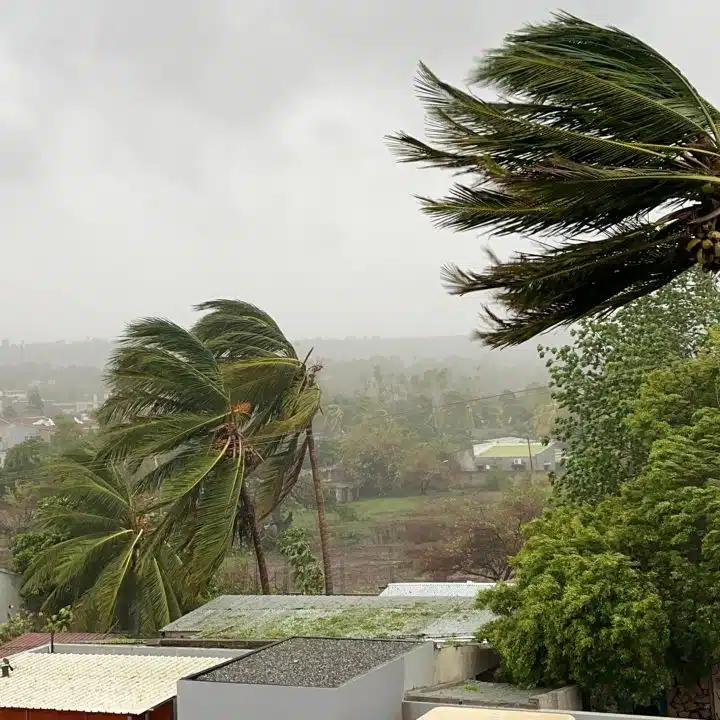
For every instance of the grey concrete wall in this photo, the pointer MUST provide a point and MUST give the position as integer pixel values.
(454, 663)
(413, 710)
(117, 649)
(377, 695)
(10, 600)
(197, 700)
(565, 698)
(419, 666)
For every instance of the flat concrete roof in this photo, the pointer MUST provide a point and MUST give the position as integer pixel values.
(488, 694)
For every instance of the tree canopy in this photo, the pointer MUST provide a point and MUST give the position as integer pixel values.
(597, 141)
(596, 379)
(106, 558)
(622, 596)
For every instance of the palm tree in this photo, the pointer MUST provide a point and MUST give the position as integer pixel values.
(238, 332)
(208, 425)
(112, 567)
(598, 141)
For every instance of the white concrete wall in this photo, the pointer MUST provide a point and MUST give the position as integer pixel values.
(202, 700)
(413, 710)
(10, 600)
(376, 695)
(419, 666)
(454, 663)
(564, 698)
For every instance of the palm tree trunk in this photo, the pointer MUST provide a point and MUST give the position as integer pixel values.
(249, 512)
(322, 520)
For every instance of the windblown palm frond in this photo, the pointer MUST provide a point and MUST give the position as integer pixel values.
(111, 567)
(206, 417)
(244, 339)
(598, 141)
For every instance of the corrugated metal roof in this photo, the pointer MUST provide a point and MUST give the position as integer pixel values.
(119, 684)
(468, 589)
(265, 617)
(31, 640)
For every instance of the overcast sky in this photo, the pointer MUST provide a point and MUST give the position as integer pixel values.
(157, 153)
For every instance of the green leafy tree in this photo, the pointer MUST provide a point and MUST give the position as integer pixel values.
(113, 568)
(373, 455)
(623, 596)
(35, 401)
(597, 140)
(237, 332)
(596, 380)
(207, 424)
(425, 466)
(294, 545)
(23, 462)
(66, 434)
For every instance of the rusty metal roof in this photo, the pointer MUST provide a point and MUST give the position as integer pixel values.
(31, 640)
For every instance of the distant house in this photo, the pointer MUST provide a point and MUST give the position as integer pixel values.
(333, 478)
(13, 433)
(513, 454)
(10, 600)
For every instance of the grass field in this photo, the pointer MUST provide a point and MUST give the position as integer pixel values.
(373, 542)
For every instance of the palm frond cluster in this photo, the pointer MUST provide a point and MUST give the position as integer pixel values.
(195, 417)
(598, 147)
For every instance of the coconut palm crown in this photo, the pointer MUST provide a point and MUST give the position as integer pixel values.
(111, 566)
(598, 147)
(207, 424)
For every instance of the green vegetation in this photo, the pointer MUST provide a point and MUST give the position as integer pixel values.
(618, 590)
(294, 545)
(595, 380)
(598, 142)
(402, 620)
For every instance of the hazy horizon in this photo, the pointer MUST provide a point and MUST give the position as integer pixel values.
(155, 155)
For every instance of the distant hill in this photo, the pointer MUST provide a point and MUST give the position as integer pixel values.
(84, 353)
(349, 362)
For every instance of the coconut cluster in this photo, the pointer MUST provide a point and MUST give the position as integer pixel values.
(705, 245)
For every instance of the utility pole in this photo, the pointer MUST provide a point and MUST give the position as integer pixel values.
(530, 458)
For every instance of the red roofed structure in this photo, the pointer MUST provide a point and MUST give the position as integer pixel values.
(31, 640)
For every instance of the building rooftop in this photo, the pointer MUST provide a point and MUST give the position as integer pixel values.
(266, 617)
(31, 640)
(480, 694)
(113, 684)
(506, 448)
(309, 662)
(476, 713)
(468, 589)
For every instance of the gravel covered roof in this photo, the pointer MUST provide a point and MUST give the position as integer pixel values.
(263, 617)
(309, 662)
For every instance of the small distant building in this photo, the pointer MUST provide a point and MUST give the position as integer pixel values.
(512, 454)
(13, 433)
(333, 477)
(10, 599)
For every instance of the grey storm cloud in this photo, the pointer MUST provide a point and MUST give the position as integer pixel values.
(157, 154)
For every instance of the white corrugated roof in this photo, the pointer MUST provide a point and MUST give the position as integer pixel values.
(120, 684)
(435, 589)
